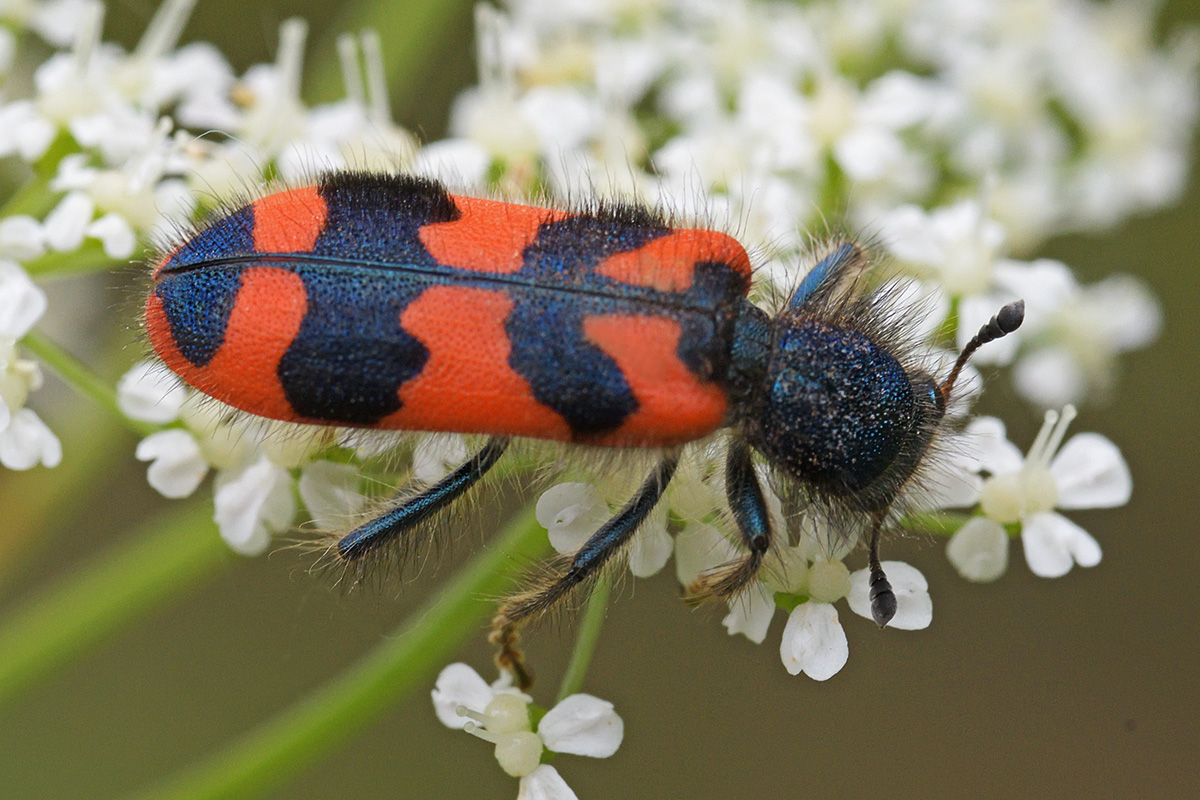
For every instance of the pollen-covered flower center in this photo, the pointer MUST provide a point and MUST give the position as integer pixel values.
(1009, 497)
(505, 723)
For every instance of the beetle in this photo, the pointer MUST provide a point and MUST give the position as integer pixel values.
(384, 301)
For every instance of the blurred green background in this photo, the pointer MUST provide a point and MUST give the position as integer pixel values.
(1084, 686)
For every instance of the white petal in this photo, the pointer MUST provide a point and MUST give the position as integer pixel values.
(951, 483)
(65, 225)
(279, 509)
(21, 238)
(330, 493)
(750, 613)
(979, 550)
(544, 783)
(459, 685)
(177, 466)
(245, 500)
(986, 440)
(1050, 376)
(699, 548)
(906, 232)
(1045, 285)
(914, 607)
(33, 136)
(150, 392)
(867, 153)
(436, 455)
(651, 546)
(1053, 544)
(115, 234)
(814, 642)
(582, 725)
(459, 161)
(571, 512)
(1129, 312)
(22, 302)
(1090, 472)
(27, 441)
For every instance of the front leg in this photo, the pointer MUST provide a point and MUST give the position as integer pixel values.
(749, 507)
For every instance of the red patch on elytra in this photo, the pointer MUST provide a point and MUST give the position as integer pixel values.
(488, 236)
(266, 317)
(467, 383)
(289, 222)
(674, 406)
(668, 262)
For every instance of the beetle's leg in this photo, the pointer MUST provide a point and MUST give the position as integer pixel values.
(883, 599)
(416, 509)
(596, 551)
(749, 508)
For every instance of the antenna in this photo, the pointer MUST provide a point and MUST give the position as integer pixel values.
(1007, 320)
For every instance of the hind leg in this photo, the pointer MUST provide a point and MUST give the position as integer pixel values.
(395, 522)
(595, 553)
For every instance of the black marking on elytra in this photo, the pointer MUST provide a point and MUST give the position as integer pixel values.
(566, 251)
(378, 217)
(351, 355)
(565, 371)
(570, 374)
(197, 306)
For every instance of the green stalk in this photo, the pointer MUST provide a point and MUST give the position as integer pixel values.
(589, 635)
(88, 258)
(34, 197)
(283, 746)
(409, 32)
(133, 578)
(93, 441)
(81, 377)
(941, 523)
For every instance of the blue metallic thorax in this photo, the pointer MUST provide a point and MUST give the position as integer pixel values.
(837, 410)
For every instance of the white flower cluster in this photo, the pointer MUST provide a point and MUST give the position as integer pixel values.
(961, 133)
(498, 713)
(25, 441)
(255, 462)
(117, 134)
(1009, 496)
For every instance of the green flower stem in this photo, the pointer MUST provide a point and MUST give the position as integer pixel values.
(170, 554)
(589, 635)
(408, 48)
(89, 258)
(34, 197)
(78, 375)
(282, 746)
(939, 524)
(93, 441)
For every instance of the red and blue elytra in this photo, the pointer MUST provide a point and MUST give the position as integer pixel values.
(384, 301)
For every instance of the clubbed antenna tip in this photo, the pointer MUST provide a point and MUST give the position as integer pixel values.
(1007, 320)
